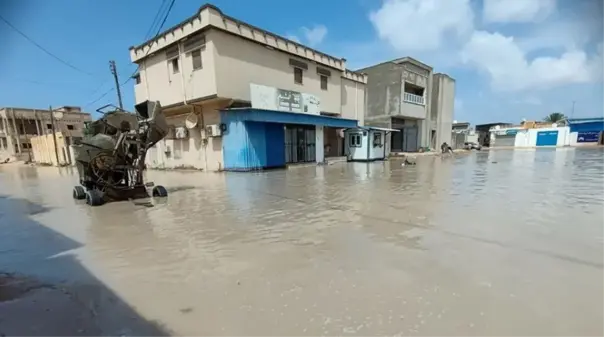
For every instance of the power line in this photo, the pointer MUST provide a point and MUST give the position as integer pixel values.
(42, 48)
(155, 20)
(137, 68)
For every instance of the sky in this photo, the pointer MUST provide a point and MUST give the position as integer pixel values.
(511, 59)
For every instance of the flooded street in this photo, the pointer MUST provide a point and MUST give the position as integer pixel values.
(500, 242)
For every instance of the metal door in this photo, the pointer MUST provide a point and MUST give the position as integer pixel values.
(300, 144)
(504, 140)
(410, 139)
(547, 138)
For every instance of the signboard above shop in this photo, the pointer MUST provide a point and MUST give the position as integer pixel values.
(588, 137)
(271, 98)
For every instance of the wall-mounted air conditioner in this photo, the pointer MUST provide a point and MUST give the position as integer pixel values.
(213, 130)
(180, 132)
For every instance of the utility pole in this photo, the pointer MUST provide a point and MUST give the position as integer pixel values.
(117, 83)
(27, 138)
(54, 135)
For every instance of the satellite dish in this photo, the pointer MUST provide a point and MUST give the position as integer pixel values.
(58, 114)
(191, 121)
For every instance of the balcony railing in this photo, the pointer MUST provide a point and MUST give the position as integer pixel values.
(415, 99)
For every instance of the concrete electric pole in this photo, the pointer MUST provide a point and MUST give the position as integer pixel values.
(117, 83)
(54, 135)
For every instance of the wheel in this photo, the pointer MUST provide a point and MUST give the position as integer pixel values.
(79, 193)
(94, 198)
(160, 191)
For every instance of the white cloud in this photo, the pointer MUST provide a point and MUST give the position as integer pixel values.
(503, 11)
(510, 70)
(573, 28)
(422, 25)
(314, 35)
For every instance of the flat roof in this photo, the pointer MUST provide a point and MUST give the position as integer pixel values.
(285, 117)
(585, 120)
(237, 21)
(377, 128)
(401, 60)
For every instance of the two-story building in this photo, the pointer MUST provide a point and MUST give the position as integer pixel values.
(406, 95)
(239, 97)
(19, 125)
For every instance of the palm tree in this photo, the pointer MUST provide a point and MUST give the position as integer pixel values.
(555, 117)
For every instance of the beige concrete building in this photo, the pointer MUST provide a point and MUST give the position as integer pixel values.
(19, 125)
(44, 152)
(210, 61)
(405, 94)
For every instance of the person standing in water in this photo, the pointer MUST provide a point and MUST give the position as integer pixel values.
(445, 148)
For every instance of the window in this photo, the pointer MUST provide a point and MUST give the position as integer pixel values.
(49, 126)
(377, 139)
(355, 140)
(137, 78)
(298, 75)
(26, 146)
(70, 127)
(323, 82)
(196, 57)
(174, 63)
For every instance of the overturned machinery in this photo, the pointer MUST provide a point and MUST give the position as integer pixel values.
(111, 159)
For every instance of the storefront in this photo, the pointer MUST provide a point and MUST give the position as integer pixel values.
(586, 131)
(256, 139)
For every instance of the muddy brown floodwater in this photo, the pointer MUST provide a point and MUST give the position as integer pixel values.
(500, 242)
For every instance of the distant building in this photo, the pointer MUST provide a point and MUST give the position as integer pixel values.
(404, 94)
(462, 133)
(259, 100)
(586, 131)
(19, 125)
(484, 135)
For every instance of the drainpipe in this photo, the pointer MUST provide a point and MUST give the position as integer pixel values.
(146, 81)
(356, 95)
(182, 73)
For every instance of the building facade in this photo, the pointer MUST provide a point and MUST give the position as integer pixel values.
(442, 109)
(19, 125)
(529, 135)
(212, 63)
(406, 95)
(586, 131)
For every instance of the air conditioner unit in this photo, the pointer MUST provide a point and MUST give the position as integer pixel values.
(213, 130)
(180, 133)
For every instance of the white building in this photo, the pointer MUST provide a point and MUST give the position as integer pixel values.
(530, 137)
(210, 61)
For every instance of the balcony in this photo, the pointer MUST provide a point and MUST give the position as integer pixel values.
(415, 99)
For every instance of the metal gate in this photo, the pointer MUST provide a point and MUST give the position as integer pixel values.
(404, 141)
(547, 138)
(300, 143)
(504, 140)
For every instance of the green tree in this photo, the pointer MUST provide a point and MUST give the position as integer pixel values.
(555, 117)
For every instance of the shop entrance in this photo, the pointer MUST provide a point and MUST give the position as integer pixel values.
(300, 141)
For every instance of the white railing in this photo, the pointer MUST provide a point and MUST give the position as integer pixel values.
(411, 98)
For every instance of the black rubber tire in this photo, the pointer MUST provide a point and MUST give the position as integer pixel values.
(159, 191)
(94, 198)
(79, 193)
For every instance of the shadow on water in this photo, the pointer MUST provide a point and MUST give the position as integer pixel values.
(45, 290)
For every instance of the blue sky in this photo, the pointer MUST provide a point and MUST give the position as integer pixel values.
(511, 59)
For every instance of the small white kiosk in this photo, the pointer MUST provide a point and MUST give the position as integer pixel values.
(366, 143)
